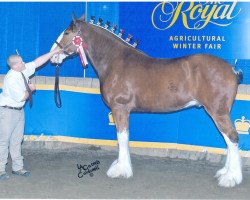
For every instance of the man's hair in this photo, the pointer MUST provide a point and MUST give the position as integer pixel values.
(13, 59)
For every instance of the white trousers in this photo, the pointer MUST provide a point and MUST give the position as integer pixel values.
(11, 136)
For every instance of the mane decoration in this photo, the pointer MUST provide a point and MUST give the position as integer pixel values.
(113, 30)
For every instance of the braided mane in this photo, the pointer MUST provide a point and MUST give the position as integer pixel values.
(113, 31)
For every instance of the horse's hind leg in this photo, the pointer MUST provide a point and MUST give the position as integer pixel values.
(122, 166)
(231, 173)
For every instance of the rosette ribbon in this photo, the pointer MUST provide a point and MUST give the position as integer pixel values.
(78, 42)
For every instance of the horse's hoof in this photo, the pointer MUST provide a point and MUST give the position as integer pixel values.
(221, 172)
(120, 169)
(230, 179)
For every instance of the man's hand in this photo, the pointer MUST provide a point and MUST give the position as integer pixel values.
(32, 87)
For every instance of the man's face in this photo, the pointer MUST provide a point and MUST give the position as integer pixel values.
(19, 65)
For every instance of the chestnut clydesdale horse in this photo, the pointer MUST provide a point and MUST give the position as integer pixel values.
(131, 81)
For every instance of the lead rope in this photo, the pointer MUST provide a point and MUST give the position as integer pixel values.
(57, 96)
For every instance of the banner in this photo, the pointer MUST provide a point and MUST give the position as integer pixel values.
(164, 29)
(175, 29)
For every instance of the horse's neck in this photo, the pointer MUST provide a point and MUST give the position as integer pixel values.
(103, 49)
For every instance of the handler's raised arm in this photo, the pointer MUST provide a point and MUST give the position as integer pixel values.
(44, 58)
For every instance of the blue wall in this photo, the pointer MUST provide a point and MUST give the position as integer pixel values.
(85, 116)
(33, 27)
(79, 118)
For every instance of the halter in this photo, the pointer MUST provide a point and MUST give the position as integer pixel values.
(78, 42)
(57, 96)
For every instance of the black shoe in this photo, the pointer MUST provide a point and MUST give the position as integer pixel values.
(21, 172)
(4, 176)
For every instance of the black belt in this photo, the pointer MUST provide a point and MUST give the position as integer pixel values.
(13, 108)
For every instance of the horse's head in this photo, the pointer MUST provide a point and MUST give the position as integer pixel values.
(65, 40)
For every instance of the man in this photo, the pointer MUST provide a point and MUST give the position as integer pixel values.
(12, 99)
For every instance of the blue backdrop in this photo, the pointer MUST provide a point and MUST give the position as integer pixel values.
(216, 28)
(86, 116)
(33, 27)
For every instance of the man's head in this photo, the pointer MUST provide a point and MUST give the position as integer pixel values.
(16, 63)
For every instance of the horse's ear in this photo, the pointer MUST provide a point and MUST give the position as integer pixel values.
(83, 17)
(74, 17)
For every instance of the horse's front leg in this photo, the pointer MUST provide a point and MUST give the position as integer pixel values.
(122, 166)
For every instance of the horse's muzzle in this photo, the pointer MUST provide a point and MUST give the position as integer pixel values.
(58, 58)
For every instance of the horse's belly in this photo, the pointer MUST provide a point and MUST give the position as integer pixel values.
(166, 105)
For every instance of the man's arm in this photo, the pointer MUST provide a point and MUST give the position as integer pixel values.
(44, 58)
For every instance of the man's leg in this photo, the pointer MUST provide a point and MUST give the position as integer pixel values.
(15, 142)
(6, 128)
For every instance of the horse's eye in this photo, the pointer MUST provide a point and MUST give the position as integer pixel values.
(66, 33)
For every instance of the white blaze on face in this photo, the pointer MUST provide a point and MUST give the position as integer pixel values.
(57, 58)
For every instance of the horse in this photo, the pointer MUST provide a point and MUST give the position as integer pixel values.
(131, 81)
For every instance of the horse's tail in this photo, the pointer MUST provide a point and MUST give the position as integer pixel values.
(239, 75)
